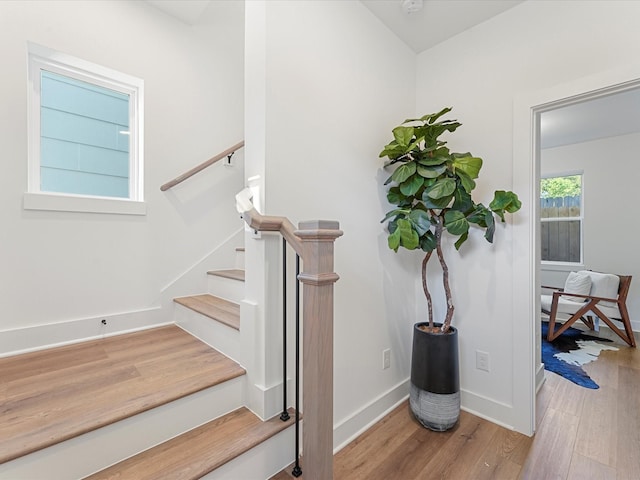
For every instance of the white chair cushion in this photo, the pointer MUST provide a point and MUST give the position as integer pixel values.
(604, 285)
(578, 283)
(569, 307)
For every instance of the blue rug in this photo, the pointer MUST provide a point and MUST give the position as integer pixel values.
(566, 342)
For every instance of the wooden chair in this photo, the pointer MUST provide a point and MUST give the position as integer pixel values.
(607, 306)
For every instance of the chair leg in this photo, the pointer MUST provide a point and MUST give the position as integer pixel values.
(627, 335)
(627, 324)
(553, 334)
(588, 321)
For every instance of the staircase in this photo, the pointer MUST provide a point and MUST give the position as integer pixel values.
(164, 403)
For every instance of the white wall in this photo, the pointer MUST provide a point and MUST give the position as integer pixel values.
(337, 82)
(62, 266)
(481, 72)
(610, 173)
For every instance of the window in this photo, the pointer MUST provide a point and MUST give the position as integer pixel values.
(561, 216)
(85, 136)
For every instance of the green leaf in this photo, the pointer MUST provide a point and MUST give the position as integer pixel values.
(505, 202)
(469, 165)
(434, 116)
(433, 160)
(455, 222)
(392, 150)
(393, 213)
(442, 188)
(479, 215)
(431, 172)
(403, 172)
(462, 200)
(412, 185)
(491, 226)
(395, 196)
(438, 203)
(428, 242)
(467, 183)
(461, 240)
(394, 240)
(408, 236)
(403, 135)
(421, 221)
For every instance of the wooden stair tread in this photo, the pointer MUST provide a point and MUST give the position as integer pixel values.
(216, 308)
(199, 451)
(234, 274)
(53, 395)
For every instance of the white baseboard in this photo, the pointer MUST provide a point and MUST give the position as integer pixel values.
(39, 337)
(345, 431)
(349, 428)
(486, 408)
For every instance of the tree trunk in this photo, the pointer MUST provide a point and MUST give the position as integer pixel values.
(445, 276)
(425, 288)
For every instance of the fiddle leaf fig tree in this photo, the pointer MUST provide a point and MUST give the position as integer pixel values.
(431, 189)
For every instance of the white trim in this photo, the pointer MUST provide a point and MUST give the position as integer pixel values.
(42, 58)
(76, 203)
(39, 337)
(526, 298)
(492, 409)
(349, 428)
(561, 266)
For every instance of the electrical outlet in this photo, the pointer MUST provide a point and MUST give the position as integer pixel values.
(482, 360)
(386, 358)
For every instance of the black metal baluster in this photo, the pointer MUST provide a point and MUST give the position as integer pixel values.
(284, 416)
(297, 471)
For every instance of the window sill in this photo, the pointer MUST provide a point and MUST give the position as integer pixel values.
(69, 203)
(562, 266)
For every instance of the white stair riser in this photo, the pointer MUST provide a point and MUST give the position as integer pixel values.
(262, 461)
(240, 259)
(94, 451)
(219, 336)
(226, 288)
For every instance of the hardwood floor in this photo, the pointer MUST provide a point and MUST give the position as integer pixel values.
(53, 395)
(582, 434)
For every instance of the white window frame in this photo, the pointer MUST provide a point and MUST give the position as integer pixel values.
(556, 265)
(42, 58)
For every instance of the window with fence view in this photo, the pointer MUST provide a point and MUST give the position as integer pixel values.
(561, 216)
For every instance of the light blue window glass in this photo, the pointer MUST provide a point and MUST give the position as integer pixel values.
(84, 138)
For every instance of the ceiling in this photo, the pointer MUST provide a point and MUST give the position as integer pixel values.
(187, 11)
(602, 117)
(437, 21)
(440, 20)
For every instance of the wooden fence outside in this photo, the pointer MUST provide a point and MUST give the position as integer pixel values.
(561, 239)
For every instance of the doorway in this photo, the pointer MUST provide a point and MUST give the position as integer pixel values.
(529, 109)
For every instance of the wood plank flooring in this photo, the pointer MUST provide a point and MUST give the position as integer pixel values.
(217, 308)
(199, 451)
(50, 396)
(234, 274)
(582, 434)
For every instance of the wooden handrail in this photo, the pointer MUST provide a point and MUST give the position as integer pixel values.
(313, 241)
(202, 166)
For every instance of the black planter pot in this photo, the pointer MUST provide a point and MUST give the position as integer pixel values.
(435, 378)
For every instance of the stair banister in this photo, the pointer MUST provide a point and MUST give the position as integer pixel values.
(313, 241)
(181, 178)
